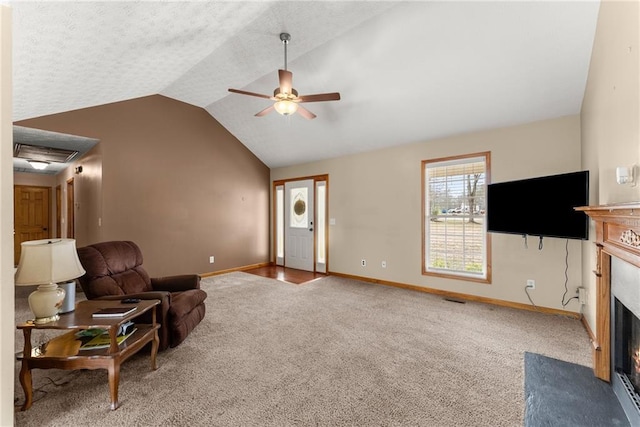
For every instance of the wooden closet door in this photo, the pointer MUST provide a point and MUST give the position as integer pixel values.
(31, 215)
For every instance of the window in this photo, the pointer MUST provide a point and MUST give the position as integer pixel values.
(279, 227)
(455, 240)
(321, 229)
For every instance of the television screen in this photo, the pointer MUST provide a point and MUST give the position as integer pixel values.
(541, 206)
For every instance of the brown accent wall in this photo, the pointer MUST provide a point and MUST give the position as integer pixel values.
(168, 176)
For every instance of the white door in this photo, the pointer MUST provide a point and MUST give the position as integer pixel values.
(298, 219)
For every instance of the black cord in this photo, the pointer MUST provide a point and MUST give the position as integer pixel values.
(540, 244)
(566, 276)
(526, 243)
(44, 392)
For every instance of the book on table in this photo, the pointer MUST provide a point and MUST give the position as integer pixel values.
(97, 338)
(114, 311)
(104, 341)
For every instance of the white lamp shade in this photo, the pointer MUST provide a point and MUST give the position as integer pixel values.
(48, 261)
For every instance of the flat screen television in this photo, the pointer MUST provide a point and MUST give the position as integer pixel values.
(542, 206)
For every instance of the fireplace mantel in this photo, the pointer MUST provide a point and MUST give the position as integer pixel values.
(617, 235)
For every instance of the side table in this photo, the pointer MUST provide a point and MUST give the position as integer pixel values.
(63, 352)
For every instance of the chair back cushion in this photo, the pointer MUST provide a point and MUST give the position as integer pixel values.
(113, 268)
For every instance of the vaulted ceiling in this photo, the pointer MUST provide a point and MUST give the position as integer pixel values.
(407, 71)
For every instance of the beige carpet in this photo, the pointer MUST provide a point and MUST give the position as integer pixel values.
(334, 352)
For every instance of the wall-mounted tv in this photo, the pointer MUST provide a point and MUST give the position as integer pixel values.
(542, 206)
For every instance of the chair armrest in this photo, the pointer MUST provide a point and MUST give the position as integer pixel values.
(176, 283)
(161, 295)
(164, 297)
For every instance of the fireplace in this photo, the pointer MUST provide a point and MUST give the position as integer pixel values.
(626, 348)
(616, 341)
(625, 334)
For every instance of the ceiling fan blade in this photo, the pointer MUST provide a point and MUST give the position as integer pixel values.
(244, 92)
(305, 113)
(334, 96)
(285, 77)
(266, 111)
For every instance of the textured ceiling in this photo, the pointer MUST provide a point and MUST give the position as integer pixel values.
(407, 71)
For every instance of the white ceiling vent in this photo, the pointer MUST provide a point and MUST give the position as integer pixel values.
(53, 149)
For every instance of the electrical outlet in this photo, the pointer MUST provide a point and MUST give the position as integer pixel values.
(363, 262)
(531, 284)
(582, 295)
(384, 264)
(212, 259)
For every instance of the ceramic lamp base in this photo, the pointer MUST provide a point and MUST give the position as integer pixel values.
(42, 320)
(45, 302)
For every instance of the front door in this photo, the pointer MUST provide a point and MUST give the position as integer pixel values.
(31, 216)
(298, 219)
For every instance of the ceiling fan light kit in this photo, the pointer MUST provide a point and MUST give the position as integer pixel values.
(286, 107)
(285, 96)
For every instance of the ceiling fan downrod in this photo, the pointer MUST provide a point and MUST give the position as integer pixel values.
(285, 37)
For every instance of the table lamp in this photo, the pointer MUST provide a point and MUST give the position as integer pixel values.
(46, 263)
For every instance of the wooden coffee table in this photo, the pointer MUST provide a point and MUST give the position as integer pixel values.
(63, 352)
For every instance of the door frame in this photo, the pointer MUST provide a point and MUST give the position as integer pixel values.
(58, 211)
(274, 227)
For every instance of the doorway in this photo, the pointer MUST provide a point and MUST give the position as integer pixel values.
(300, 231)
(58, 211)
(71, 229)
(31, 207)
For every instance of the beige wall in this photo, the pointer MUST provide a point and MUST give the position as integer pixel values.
(7, 290)
(168, 176)
(610, 116)
(375, 199)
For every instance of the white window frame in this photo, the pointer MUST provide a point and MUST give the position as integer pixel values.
(279, 224)
(442, 221)
(321, 226)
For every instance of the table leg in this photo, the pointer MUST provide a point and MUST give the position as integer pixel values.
(156, 340)
(114, 379)
(27, 385)
(154, 350)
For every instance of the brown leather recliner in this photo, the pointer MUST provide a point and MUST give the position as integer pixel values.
(114, 271)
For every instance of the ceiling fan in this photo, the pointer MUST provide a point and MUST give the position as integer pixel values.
(287, 100)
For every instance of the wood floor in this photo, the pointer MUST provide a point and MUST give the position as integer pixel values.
(289, 275)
